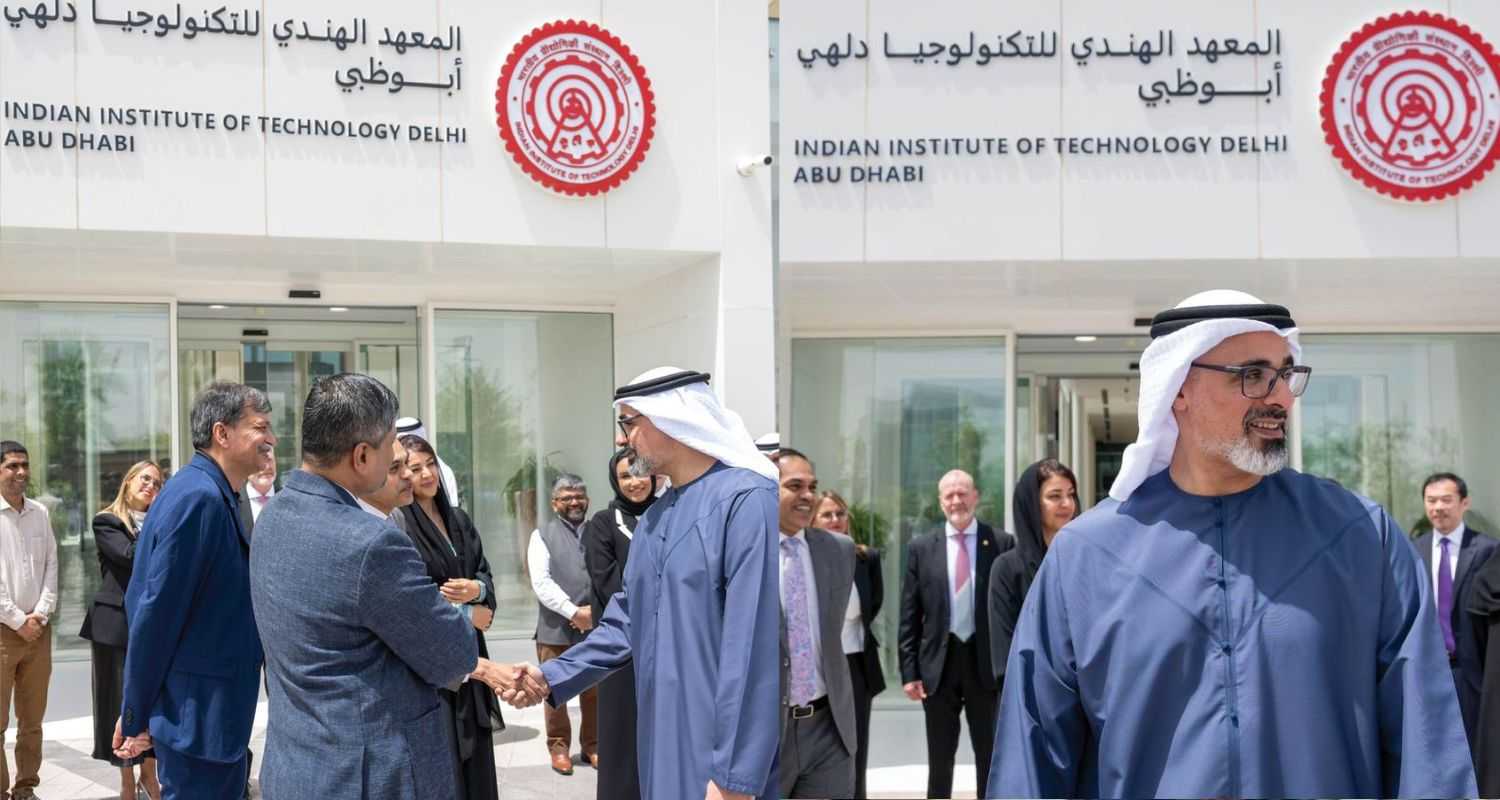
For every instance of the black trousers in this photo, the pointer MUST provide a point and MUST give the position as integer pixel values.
(960, 692)
(862, 702)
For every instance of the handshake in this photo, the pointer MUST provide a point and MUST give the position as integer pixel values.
(519, 685)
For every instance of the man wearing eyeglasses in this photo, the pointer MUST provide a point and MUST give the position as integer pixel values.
(1224, 626)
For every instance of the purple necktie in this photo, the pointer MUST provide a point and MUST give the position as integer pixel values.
(1445, 596)
(798, 627)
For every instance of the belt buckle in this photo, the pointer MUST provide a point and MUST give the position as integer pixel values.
(803, 712)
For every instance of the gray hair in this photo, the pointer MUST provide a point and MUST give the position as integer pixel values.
(223, 402)
(568, 480)
(343, 411)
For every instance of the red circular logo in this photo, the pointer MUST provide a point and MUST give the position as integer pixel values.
(1411, 106)
(575, 108)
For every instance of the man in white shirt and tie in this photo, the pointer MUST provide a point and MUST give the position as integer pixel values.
(818, 735)
(28, 596)
(258, 492)
(1453, 554)
(944, 638)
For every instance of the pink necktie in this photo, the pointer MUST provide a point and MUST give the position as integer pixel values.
(961, 565)
(260, 499)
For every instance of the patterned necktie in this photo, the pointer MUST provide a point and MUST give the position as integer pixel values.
(798, 627)
(1445, 596)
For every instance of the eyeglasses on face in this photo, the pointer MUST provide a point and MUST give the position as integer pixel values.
(626, 422)
(1257, 382)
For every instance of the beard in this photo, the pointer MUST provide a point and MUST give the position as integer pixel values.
(1268, 459)
(642, 467)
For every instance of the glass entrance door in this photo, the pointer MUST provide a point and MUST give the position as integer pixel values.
(1077, 403)
(282, 351)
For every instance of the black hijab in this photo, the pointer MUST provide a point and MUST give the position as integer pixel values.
(622, 502)
(1026, 504)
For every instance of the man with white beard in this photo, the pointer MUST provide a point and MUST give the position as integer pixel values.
(1224, 626)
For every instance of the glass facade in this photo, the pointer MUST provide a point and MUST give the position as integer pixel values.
(1385, 411)
(884, 419)
(519, 401)
(87, 388)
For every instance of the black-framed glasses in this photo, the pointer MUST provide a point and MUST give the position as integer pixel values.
(1257, 382)
(626, 422)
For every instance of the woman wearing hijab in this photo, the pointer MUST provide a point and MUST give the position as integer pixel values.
(860, 647)
(449, 545)
(606, 547)
(1045, 500)
(116, 529)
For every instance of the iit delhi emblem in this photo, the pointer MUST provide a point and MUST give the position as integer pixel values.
(1411, 106)
(575, 108)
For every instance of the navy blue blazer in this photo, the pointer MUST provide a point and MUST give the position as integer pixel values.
(192, 671)
(358, 641)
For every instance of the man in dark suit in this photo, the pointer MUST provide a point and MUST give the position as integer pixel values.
(259, 489)
(944, 639)
(357, 638)
(1453, 554)
(818, 735)
(192, 669)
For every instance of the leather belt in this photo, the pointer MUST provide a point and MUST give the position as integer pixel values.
(807, 711)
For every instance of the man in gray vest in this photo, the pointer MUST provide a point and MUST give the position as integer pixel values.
(561, 582)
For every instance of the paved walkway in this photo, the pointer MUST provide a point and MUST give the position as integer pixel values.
(897, 759)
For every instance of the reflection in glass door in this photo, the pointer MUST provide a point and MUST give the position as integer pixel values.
(884, 419)
(282, 351)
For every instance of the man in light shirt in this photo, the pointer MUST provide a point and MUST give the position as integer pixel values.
(561, 582)
(818, 738)
(28, 595)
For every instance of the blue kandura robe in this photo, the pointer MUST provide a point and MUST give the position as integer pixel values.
(1280, 642)
(700, 616)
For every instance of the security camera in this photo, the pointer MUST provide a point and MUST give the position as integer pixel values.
(750, 164)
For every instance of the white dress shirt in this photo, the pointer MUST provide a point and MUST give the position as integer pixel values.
(820, 689)
(961, 621)
(28, 563)
(1455, 538)
(548, 593)
(854, 624)
(255, 505)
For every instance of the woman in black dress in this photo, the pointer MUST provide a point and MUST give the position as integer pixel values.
(450, 547)
(606, 546)
(1045, 499)
(115, 531)
(861, 649)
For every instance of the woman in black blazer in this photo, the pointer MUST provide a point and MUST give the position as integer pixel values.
(860, 646)
(449, 544)
(606, 548)
(115, 531)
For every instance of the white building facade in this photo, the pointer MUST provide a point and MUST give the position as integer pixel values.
(981, 203)
(277, 192)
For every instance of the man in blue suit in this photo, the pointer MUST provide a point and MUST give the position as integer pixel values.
(193, 667)
(358, 638)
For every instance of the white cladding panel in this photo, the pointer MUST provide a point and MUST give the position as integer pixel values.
(260, 182)
(1292, 200)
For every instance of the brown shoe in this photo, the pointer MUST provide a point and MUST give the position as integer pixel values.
(562, 764)
(594, 760)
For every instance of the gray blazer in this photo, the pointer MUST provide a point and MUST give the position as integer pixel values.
(833, 570)
(357, 641)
